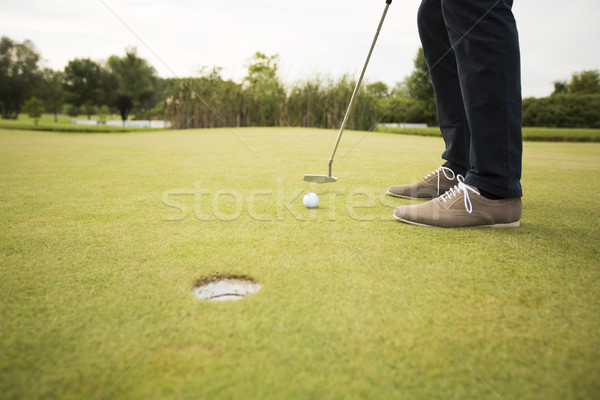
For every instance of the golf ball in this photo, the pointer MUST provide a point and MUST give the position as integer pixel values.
(310, 200)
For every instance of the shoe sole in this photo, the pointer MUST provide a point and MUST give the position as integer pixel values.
(495, 226)
(408, 197)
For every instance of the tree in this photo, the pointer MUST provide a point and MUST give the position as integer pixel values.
(83, 82)
(379, 90)
(52, 91)
(560, 87)
(418, 83)
(34, 108)
(582, 83)
(207, 101)
(413, 99)
(266, 95)
(135, 83)
(400, 90)
(19, 75)
(72, 110)
(585, 82)
(103, 113)
(262, 68)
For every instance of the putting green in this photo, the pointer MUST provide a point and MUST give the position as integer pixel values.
(104, 236)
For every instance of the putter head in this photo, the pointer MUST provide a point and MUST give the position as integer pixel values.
(320, 178)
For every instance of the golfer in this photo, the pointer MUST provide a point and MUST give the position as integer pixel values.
(472, 51)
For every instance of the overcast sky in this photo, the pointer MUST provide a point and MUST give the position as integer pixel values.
(312, 37)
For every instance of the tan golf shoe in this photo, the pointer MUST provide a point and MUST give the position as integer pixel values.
(463, 206)
(430, 187)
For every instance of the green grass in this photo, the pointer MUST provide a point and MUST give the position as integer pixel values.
(47, 123)
(529, 133)
(96, 272)
(63, 124)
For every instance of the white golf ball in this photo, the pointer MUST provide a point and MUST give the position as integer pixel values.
(310, 200)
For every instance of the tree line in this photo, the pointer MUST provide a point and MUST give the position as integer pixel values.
(573, 104)
(263, 100)
(129, 85)
(123, 84)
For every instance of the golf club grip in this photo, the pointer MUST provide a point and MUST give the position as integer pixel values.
(388, 1)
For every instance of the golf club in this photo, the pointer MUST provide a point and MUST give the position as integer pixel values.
(329, 178)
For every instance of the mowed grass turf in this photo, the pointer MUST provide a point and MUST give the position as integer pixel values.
(104, 235)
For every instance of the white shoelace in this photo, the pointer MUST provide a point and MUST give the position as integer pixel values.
(445, 171)
(456, 190)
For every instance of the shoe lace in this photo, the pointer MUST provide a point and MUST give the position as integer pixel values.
(448, 173)
(458, 189)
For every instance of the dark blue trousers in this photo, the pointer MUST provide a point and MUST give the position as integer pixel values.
(472, 51)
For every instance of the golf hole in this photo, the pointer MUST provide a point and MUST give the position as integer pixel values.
(225, 288)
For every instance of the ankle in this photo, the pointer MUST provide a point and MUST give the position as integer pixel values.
(490, 196)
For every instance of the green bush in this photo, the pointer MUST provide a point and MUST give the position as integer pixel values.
(206, 102)
(34, 108)
(157, 113)
(210, 101)
(103, 113)
(323, 104)
(401, 109)
(72, 110)
(563, 111)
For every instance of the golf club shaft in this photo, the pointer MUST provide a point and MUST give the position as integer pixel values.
(362, 74)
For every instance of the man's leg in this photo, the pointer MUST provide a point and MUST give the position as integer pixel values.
(446, 85)
(451, 112)
(485, 41)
